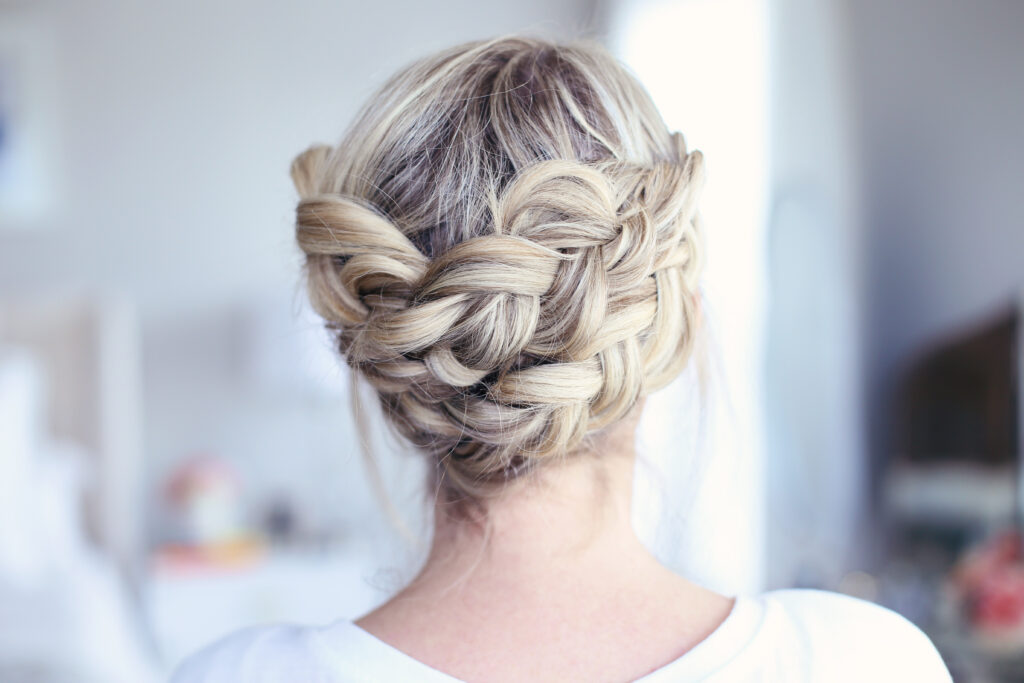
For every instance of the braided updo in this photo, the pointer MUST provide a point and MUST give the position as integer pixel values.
(506, 247)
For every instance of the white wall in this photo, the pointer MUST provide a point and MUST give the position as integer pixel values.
(177, 124)
(179, 120)
(815, 458)
(712, 87)
(940, 84)
(897, 161)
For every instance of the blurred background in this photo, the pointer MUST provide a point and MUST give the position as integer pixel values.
(177, 455)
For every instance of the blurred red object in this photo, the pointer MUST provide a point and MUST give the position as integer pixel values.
(199, 474)
(989, 581)
(204, 496)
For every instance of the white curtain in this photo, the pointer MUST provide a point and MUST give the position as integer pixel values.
(701, 484)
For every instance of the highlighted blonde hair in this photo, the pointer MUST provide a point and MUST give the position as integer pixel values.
(506, 246)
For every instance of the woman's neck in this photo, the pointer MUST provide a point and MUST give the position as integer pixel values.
(569, 519)
(557, 564)
(571, 514)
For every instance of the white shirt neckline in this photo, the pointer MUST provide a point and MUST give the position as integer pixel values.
(784, 636)
(709, 655)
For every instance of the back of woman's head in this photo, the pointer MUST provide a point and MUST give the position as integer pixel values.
(506, 247)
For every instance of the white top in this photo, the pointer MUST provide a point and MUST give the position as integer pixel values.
(787, 635)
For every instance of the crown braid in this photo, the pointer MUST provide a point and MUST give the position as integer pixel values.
(512, 283)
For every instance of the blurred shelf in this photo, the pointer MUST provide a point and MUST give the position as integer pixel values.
(950, 492)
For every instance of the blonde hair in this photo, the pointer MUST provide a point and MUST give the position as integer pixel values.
(506, 246)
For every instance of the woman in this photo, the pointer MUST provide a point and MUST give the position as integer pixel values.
(507, 248)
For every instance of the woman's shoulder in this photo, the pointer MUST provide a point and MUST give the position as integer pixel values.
(257, 654)
(837, 614)
(796, 634)
(856, 639)
(339, 652)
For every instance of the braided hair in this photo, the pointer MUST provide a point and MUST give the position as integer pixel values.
(506, 246)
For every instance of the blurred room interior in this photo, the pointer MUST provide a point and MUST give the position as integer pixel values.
(177, 454)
